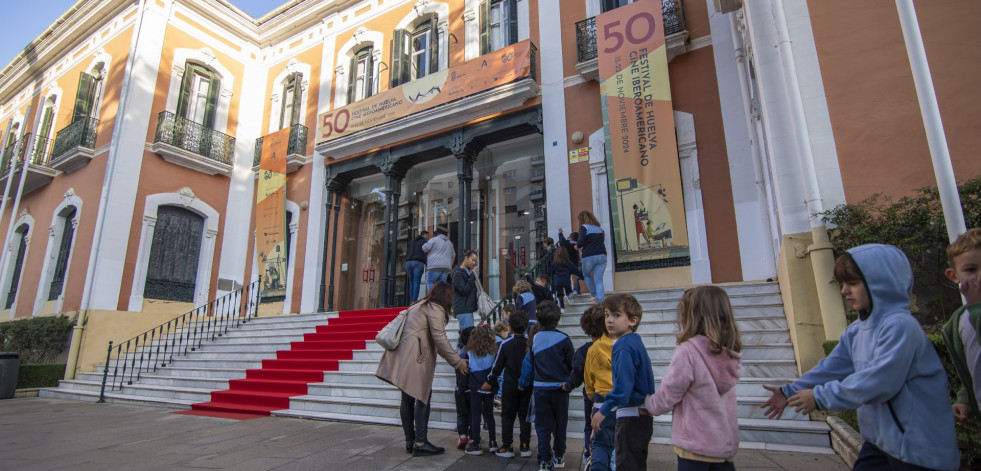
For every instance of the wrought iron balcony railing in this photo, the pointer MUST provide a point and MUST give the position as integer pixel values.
(5, 165)
(80, 133)
(674, 22)
(42, 151)
(297, 144)
(194, 137)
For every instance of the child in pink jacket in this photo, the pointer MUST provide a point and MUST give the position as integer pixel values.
(700, 384)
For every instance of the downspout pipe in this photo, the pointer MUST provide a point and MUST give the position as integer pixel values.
(820, 251)
(950, 199)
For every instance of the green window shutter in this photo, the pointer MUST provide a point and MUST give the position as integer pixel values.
(400, 63)
(214, 86)
(369, 70)
(83, 97)
(433, 46)
(46, 124)
(282, 103)
(512, 21)
(485, 41)
(297, 98)
(352, 78)
(185, 93)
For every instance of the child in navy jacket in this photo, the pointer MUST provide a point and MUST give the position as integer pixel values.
(633, 381)
(482, 351)
(514, 399)
(551, 364)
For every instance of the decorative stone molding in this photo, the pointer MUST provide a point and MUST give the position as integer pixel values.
(340, 70)
(421, 6)
(845, 440)
(70, 193)
(360, 34)
(470, 14)
(187, 196)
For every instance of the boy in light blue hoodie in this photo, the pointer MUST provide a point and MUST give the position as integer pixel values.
(884, 366)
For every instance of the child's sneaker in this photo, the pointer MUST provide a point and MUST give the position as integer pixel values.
(558, 463)
(545, 466)
(492, 446)
(462, 443)
(525, 450)
(473, 448)
(505, 451)
(497, 403)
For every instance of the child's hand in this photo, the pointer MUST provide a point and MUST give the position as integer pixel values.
(464, 367)
(598, 419)
(773, 407)
(962, 412)
(803, 401)
(971, 288)
(565, 387)
(485, 387)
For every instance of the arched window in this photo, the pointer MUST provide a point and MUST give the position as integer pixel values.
(174, 252)
(292, 100)
(64, 253)
(361, 79)
(498, 24)
(44, 135)
(21, 234)
(415, 52)
(198, 98)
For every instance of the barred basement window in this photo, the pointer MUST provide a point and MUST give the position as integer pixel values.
(174, 254)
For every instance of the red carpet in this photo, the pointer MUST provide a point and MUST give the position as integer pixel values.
(271, 387)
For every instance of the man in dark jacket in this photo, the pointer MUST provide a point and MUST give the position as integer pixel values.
(415, 264)
(465, 290)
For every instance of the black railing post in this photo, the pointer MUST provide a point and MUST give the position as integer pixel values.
(105, 374)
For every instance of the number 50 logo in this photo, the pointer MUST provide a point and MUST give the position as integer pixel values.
(333, 123)
(637, 30)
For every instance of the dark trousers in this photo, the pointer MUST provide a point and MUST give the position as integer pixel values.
(562, 290)
(587, 408)
(462, 412)
(514, 403)
(551, 418)
(482, 404)
(602, 447)
(685, 464)
(415, 418)
(871, 458)
(632, 437)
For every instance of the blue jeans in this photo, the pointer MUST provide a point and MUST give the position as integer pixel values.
(413, 271)
(434, 276)
(593, 267)
(602, 446)
(685, 464)
(465, 319)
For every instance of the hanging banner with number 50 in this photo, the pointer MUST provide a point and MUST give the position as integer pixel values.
(646, 199)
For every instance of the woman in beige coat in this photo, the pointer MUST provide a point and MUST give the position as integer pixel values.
(412, 366)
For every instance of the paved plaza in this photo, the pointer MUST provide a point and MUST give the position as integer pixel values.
(53, 434)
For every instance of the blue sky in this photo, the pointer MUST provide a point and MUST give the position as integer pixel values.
(25, 20)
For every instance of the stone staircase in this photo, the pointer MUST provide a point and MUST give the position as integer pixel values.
(354, 394)
(191, 379)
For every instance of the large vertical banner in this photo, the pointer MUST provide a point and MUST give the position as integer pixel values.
(270, 213)
(646, 199)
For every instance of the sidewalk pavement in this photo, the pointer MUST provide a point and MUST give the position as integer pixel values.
(55, 434)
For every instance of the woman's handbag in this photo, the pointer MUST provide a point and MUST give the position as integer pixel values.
(484, 302)
(390, 336)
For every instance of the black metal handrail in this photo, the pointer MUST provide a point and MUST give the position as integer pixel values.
(532, 273)
(297, 144)
(194, 137)
(80, 133)
(158, 346)
(674, 22)
(5, 165)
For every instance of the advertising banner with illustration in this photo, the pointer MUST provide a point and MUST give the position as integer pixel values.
(646, 199)
(476, 75)
(270, 213)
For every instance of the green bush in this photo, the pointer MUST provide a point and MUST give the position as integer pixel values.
(37, 339)
(40, 376)
(916, 225)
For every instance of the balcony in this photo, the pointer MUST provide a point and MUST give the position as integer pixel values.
(296, 149)
(675, 36)
(193, 145)
(74, 145)
(38, 173)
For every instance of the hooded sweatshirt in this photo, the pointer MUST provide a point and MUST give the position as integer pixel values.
(885, 366)
(700, 388)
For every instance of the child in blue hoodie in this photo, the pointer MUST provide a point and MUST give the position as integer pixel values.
(481, 353)
(884, 366)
